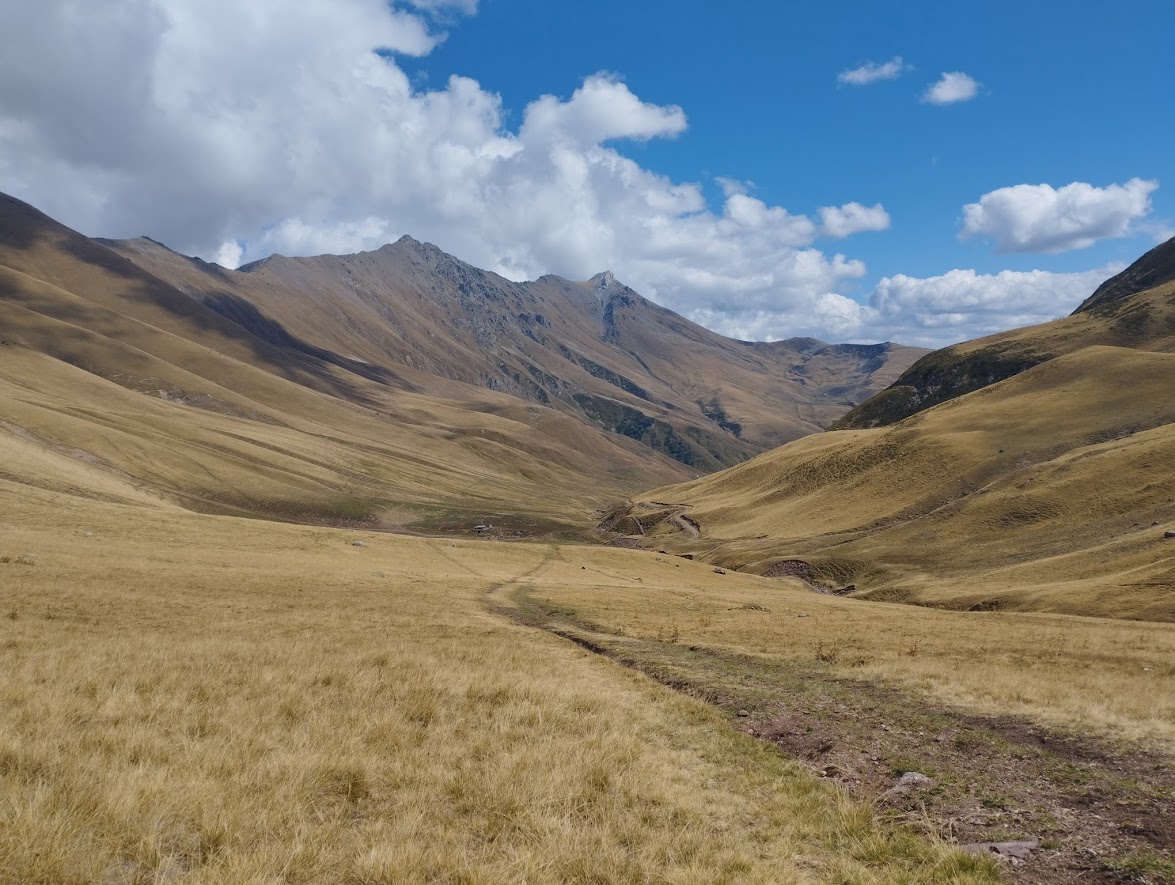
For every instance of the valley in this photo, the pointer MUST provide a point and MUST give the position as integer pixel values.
(382, 568)
(1048, 490)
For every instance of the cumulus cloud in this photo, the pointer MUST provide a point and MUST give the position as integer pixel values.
(1040, 218)
(852, 218)
(871, 72)
(296, 131)
(982, 304)
(229, 254)
(600, 110)
(925, 311)
(951, 87)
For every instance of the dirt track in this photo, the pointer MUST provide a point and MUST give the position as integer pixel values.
(1100, 813)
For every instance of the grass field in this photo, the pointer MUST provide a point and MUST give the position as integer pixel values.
(207, 699)
(214, 669)
(1089, 675)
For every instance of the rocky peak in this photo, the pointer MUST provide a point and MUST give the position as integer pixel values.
(604, 281)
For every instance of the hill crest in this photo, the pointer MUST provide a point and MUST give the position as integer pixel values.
(1135, 309)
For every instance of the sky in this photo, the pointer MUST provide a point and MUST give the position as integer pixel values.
(922, 172)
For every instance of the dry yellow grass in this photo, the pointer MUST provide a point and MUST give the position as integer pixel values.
(1049, 491)
(1113, 679)
(199, 698)
(205, 699)
(283, 450)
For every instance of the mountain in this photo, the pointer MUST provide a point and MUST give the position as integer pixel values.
(1050, 490)
(417, 318)
(400, 388)
(1132, 309)
(115, 385)
(596, 350)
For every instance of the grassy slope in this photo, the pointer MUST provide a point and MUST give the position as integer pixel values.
(220, 699)
(207, 699)
(107, 364)
(1038, 493)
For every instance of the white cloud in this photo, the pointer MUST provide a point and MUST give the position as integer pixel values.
(951, 87)
(852, 218)
(600, 110)
(871, 72)
(928, 311)
(1040, 218)
(230, 254)
(288, 133)
(962, 304)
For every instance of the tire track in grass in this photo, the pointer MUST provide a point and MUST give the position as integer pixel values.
(1100, 813)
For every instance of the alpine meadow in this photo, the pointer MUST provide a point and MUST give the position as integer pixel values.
(476, 475)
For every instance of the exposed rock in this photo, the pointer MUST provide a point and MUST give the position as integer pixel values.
(1017, 851)
(358, 544)
(909, 782)
(915, 779)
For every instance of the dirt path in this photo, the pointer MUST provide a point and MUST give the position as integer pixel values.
(1098, 813)
(687, 525)
(639, 519)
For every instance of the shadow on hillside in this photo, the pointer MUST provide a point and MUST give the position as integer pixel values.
(20, 224)
(247, 316)
(232, 316)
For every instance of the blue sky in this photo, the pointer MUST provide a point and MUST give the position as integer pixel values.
(718, 157)
(1073, 91)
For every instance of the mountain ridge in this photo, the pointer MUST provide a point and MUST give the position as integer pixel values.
(1131, 309)
(595, 349)
(380, 388)
(1154, 268)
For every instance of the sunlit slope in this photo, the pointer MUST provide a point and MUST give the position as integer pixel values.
(408, 318)
(79, 433)
(1047, 491)
(144, 388)
(1135, 309)
(595, 350)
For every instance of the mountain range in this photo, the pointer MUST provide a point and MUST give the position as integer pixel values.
(412, 316)
(399, 385)
(405, 389)
(208, 483)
